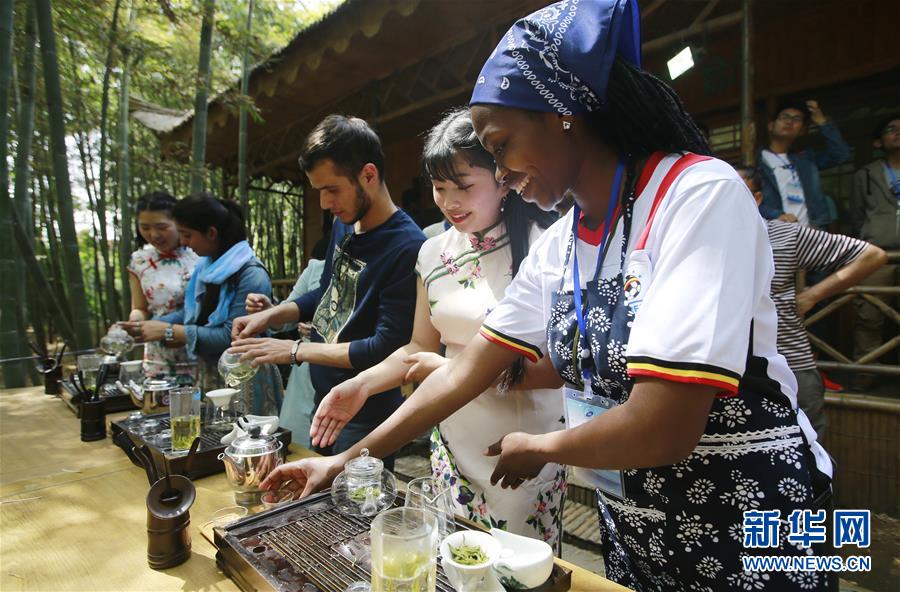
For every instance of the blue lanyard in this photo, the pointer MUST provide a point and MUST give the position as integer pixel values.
(786, 163)
(585, 350)
(895, 185)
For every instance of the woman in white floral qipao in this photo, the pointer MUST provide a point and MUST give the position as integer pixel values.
(158, 273)
(463, 273)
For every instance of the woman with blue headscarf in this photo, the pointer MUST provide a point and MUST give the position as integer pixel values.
(651, 299)
(226, 273)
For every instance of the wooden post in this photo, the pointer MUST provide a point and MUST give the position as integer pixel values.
(748, 127)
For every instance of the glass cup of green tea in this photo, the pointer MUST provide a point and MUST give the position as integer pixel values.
(234, 371)
(404, 551)
(184, 416)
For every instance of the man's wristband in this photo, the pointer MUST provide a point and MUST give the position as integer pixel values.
(169, 334)
(294, 351)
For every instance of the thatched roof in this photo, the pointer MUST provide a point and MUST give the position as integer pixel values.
(346, 55)
(159, 119)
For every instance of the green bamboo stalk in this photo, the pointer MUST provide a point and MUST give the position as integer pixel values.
(242, 118)
(68, 234)
(124, 182)
(13, 373)
(109, 266)
(52, 250)
(25, 86)
(198, 146)
(38, 275)
(25, 124)
(87, 166)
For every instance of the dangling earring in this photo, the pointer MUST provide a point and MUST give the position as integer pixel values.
(503, 203)
(567, 125)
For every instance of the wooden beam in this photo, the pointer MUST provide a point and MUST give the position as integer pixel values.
(651, 9)
(710, 26)
(447, 94)
(710, 6)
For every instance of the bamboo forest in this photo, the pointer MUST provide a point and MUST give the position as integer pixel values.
(75, 156)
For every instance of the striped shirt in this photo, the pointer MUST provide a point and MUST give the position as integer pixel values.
(796, 247)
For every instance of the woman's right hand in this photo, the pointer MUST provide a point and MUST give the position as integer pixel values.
(249, 326)
(304, 476)
(338, 407)
(133, 328)
(257, 303)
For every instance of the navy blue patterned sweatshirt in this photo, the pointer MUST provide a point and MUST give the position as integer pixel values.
(367, 297)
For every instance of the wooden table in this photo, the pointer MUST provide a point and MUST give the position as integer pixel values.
(73, 517)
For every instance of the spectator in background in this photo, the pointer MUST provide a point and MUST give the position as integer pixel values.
(875, 216)
(790, 181)
(795, 247)
(299, 394)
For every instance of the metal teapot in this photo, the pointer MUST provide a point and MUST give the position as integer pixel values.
(248, 461)
(152, 397)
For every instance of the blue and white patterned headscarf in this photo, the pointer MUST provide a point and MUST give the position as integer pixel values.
(558, 59)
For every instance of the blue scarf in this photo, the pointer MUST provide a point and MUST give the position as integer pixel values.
(558, 59)
(209, 271)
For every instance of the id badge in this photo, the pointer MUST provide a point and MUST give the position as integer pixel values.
(638, 272)
(795, 191)
(581, 407)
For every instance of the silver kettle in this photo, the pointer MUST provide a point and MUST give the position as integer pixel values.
(248, 461)
(152, 396)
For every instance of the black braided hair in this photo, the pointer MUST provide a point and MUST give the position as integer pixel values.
(643, 115)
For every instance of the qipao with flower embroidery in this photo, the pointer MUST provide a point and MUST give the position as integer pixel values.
(465, 275)
(163, 278)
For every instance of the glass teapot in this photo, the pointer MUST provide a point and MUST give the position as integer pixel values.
(117, 342)
(234, 371)
(364, 488)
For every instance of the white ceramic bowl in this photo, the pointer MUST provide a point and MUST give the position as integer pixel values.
(523, 562)
(470, 578)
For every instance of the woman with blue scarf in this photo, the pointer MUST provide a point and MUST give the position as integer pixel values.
(651, 299)
(225, 274)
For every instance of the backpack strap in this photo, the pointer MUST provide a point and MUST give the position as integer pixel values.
(680, 165)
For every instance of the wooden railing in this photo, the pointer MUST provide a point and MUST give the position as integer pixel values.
(863, 436)
(281, 288)
(866, 363)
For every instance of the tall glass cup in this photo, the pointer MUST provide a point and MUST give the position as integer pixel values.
(434, 495)
(89, 365)
(404, 551)
(184, 416)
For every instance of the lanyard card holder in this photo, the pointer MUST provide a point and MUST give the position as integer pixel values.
(581, 407)
(795, 190)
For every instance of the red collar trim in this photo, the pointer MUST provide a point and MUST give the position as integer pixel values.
(585, 234)
(648, 171)
(594, 237)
